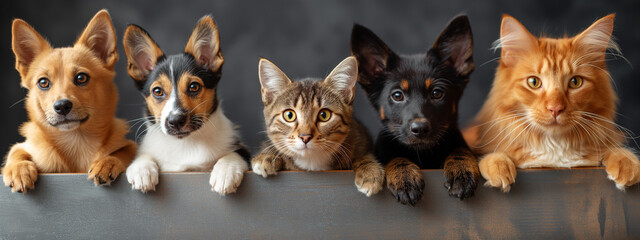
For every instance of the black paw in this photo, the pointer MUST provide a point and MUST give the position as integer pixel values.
(461, 184)
(407, 191)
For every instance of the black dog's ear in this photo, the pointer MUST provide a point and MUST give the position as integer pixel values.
(142, 54)
(372, 54)
(455, 45)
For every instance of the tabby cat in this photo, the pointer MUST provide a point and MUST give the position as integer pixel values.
(311, 127)
(552, 105)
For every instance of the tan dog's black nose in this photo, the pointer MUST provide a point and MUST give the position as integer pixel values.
(306, 138)
(63, 107)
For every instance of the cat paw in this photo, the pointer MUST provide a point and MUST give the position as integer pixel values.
(105, 170)
(498, 170)
(405, 181)
(461, 178)
(622, 167)
(227, 174)
(264, 165)
(143, 176)
(369, 178)
(20, 176)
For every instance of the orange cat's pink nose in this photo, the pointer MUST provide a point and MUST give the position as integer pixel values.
(555, 110)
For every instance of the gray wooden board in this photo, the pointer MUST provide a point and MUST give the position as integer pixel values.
(560, 204)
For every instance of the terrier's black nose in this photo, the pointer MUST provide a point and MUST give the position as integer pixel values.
(419, 127)
(176, 121)
(63, 107)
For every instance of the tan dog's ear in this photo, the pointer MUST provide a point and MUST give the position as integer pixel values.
(204, 44)
(26, 44)
(100, 37)
(142, 54)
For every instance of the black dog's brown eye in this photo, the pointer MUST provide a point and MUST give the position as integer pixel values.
(81, 79)
(157, 91)
(436, 94)
(194, 87)
(44, 83)
(397, 96)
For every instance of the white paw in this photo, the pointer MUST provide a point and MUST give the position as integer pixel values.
(143, 175)
(257, 169)
(227, 174)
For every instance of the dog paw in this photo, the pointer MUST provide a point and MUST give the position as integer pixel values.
(264, 165)
(143, 176)
(105, 170)
(227, 175)
(461, 180)
(498, 170)
(20, 176)
(369, 178)
(405, 181)
(622, 167)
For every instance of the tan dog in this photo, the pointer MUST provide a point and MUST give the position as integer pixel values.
(71, 105)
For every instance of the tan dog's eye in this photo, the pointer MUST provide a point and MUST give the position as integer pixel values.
(289, 115)
(44, 83)
(534, 82)
(324, 115)
(81, 79)
(194, 87)
(575, 82)
(158, 92)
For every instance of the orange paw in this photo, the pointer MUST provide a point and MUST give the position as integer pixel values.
(20, 176)
(622, 167)
(103, 171)
(498, 170)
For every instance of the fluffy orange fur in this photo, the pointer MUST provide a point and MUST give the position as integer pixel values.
(551, 105)
(97, 145)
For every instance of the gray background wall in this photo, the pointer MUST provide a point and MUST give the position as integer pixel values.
(308, 38)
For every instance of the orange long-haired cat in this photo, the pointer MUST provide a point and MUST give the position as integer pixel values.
(551, 105)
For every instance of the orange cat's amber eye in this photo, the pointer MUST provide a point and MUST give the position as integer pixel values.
(534, 82)
(575, 82)
(289, 115)
(324, 115)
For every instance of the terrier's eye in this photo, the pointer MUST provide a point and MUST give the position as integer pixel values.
(324, 115)
(289, 115)
(397, 96)
(534, 82)
(81, 79)
(158, 92)
(44, 83)
(194, 87)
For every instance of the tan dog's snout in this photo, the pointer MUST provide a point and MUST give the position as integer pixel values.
(63, 106)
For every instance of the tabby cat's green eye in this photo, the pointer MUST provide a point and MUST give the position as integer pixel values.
(534, 82)
(324, 115)
(575, 82)
(289, 115)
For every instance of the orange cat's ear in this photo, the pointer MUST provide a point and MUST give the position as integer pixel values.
(26, 44)
(272, 80)
(514, 40)
(597, 38)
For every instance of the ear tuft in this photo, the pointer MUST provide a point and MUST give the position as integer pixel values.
(100, 37)
(142, 54)
(204, 44)
(26, 44)
(343, 78)
(455, 45)
(514, 40)
(272, 80)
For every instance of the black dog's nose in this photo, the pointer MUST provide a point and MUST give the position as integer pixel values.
(63, 107)
(176, 121)
(419, 127)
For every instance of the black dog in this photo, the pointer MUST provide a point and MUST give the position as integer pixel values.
(417, 96)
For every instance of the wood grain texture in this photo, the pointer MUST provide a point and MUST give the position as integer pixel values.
(558, 204)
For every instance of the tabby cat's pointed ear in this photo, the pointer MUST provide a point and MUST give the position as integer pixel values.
(272, 80)
(597, 38)
(343, 79)
(514, 40)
